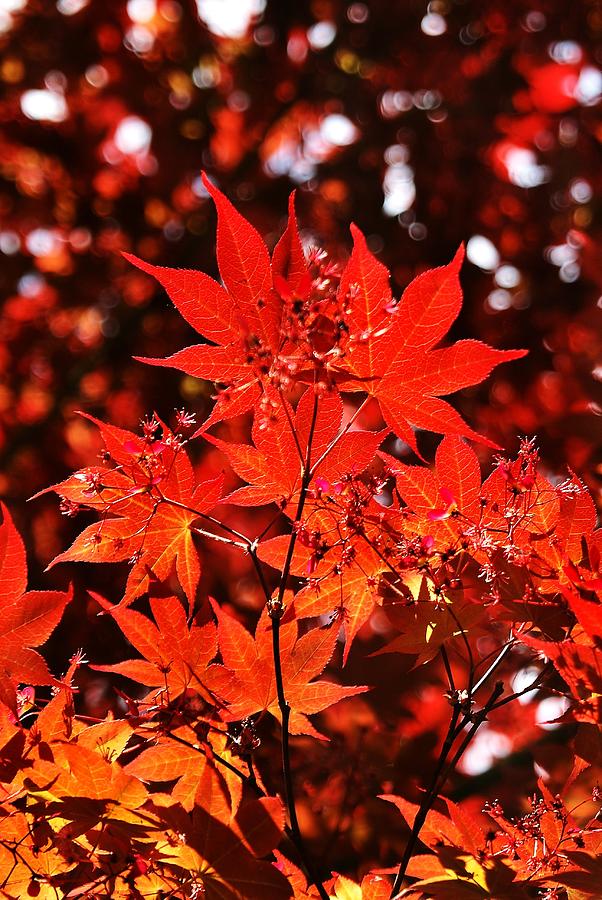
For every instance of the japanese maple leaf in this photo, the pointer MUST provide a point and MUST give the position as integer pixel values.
(240, 319)
(149, 501)
(306, 327)
(427, 623)
(273, 463)
(515, 506)
(461, 862)
(392, 352)
(344, 580)
(28, 617)
(201, 844)
(176, 654)
(577, 517)
(248, 684)
(446, 499)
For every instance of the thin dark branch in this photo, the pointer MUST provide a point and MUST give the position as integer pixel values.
(276, 612)
(442, 772)
(293, 430)
(531, 687)
(427, 800)
(448, 670)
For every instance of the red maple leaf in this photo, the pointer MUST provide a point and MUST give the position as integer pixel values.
(28, 617)
(445, 498)
(248, 684)
(273, 464)
(392, 352)
(288, 321)
(149, 502)
(176, 654)
(241, 320)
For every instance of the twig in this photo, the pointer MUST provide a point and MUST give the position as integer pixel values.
(276, 608)
(448, 671)
(427, 800)
(531, 687)
(442, 771)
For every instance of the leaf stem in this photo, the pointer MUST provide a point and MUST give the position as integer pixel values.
(505, 649)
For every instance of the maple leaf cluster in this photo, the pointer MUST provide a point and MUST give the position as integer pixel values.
(175, 794)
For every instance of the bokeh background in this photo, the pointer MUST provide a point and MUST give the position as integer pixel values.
(426, 124)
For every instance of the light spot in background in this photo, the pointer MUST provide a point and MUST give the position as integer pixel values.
(97, 76)
(482, 253)
(551, 708)
(298, 157)
(588, 89)
(392, 103)
(198, 188)
(31, 284)
(297, 46)
(44, 106)
(487, 747)
(321, 35)
(541, 772)
(581, 191)
(565, 52)
(229, 18)
(358, 13)
(71, 7)
(239, 101)
(207, 73)
(535, 21)
(566, 258)
(12, 6)
(290, 158)
(133, 136)
(338, 130)
(139, 39)
(427, 99)
(141, 11)
(9, 242)
(417, 231)
(264, 36)
(499, 300)
(523, 168)
(433, 24)
(8, 9)
(398, 183)
(561, 254)
(522, 679)
(569, 272)
(42, 242)
(507, 276)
